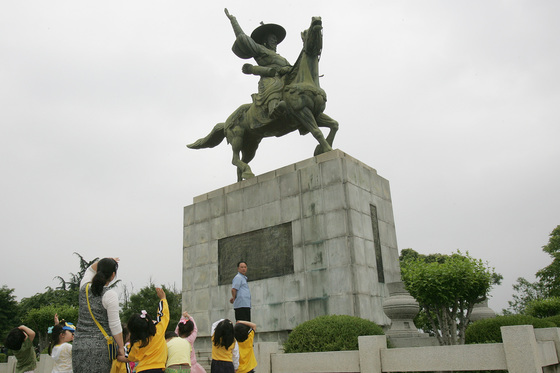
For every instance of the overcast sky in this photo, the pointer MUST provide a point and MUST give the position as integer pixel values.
(456, 103)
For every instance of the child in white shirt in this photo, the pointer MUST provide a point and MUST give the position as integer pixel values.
(59, 348)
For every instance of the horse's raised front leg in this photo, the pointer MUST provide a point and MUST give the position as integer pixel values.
(307, 120)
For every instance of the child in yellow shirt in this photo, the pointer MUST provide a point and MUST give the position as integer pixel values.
(225, 354)
(178, 354)
(244, 332)
(122, 365)
(147, 338)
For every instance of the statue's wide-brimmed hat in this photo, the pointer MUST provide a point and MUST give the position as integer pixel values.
(260, 33)
(259, 36)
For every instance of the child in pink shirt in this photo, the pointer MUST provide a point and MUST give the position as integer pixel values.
(186, 329)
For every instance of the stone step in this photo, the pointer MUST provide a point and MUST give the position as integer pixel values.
(204, 358)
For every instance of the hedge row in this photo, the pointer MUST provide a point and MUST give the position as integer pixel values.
(488, 330)
(330, 333)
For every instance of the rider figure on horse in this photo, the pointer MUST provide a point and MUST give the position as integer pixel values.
(291, 95)
(261, 46)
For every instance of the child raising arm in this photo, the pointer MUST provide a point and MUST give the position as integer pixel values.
(147, 337)
(20, 340)
(244, 332)
(186, 329)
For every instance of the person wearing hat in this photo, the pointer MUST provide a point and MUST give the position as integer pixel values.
(60, 349)
(261, 46)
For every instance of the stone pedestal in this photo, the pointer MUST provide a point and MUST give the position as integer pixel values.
(401, 308)
(318, 237)
(481, 311)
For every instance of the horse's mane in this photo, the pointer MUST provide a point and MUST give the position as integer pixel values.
(291, 75)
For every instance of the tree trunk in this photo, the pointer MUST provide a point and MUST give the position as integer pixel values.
(444, 325)
(433, 323)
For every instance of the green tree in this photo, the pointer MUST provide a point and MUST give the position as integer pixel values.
(409, 254)
(75, 278)
(40, 319)
(543, 308)
(147, 299)
(549, 276)
(447, 287)
(38, 311)
(65, 294)
(50, 297)
(8, 311)
(525, 292)
(548, 279)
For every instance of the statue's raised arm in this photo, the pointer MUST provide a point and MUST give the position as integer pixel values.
(236, 28)
(261, 46)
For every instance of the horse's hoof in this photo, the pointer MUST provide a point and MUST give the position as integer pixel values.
(247, 175)
(320, 150)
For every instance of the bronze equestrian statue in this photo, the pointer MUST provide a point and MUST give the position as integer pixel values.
(289, 97)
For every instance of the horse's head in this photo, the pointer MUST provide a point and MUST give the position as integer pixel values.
(306, 68)
(313, 37)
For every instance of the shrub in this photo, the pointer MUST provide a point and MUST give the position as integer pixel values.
(554, 319)
(330, 333)
(3, 358)
(543, 308)
(488, 330)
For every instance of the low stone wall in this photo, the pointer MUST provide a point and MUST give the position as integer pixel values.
(524, 350)
(44, 365)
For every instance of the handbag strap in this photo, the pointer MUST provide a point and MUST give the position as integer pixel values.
(93, 317)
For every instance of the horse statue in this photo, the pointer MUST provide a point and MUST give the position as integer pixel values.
(304, 100)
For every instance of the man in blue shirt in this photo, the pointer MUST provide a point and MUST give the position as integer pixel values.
(240, 294)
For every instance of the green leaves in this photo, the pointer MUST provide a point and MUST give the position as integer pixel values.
(444, 283)
(75, 278)
(447, 287)
(147, 299)
(49, 298)
(543, 308)
(330, 333)
(488, 330)
(40, 319)
(8, 310)
(548, 278)
(550, 275)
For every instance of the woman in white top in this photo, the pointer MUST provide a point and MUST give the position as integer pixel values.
(90, 353)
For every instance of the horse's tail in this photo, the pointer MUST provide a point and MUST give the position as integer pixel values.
(215, 137)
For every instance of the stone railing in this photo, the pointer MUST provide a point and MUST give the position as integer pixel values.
(524, 350)
(44, 365)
